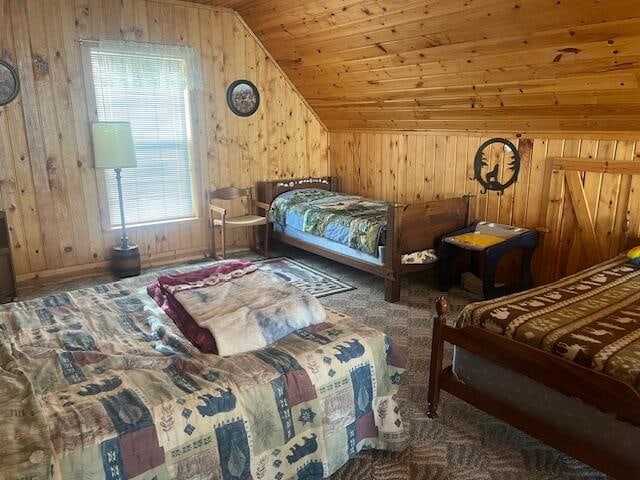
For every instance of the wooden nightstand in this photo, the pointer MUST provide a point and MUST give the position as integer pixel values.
(7, 276)
(506, 239)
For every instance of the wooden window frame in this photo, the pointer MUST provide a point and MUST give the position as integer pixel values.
(197, 188)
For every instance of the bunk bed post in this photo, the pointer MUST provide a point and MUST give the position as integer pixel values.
(265, 192)
(437, 353)
(393, 255)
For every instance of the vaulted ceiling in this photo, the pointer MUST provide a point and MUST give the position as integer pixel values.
(484, 65)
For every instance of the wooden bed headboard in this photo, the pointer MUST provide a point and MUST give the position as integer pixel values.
(269, 190)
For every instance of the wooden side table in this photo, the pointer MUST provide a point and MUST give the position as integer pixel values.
(522, 239)
(7, 275)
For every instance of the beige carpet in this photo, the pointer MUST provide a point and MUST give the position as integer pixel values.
(463, 443)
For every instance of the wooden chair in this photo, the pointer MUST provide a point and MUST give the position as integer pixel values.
(218, 217)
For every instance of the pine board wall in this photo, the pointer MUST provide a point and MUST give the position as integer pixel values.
(416, 167)
(47, 180)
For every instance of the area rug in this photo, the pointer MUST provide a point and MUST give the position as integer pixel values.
(306, 278)
(311, 280)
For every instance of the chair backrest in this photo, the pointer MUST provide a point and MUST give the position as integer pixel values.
(230, 193)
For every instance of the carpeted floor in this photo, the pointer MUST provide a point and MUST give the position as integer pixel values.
(463, 443)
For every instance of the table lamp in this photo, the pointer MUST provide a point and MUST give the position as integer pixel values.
(113, 148)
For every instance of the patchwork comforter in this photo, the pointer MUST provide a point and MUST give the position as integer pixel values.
(99, 384)
(347, 219)
(591, 318)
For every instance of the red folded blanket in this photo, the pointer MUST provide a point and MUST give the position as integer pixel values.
(158, 290)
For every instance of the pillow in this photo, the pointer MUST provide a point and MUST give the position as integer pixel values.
(422, 257)
(634, 255)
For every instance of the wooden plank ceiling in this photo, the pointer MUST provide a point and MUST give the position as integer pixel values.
(521, 66)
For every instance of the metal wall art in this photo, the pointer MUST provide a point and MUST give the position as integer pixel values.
(492, 179)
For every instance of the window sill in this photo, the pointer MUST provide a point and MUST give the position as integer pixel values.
(160, 223)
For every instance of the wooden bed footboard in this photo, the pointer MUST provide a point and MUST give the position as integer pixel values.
(604, 392)
(417, 227)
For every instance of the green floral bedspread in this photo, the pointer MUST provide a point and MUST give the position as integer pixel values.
(347, 219)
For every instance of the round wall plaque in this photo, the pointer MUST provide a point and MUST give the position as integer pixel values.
(9, 83)
(243, 98)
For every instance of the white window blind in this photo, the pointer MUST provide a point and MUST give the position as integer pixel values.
(149, 89)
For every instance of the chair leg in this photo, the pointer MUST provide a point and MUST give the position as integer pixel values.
(214, 253)
(252, 239)
(224, 243)
(266, 240)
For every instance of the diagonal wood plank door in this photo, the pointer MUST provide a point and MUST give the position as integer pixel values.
(588, 212)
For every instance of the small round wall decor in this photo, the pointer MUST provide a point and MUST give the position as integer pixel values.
(9, 83)
(243, 98)
(493, 179)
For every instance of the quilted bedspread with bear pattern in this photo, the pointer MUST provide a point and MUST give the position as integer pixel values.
(99, 384)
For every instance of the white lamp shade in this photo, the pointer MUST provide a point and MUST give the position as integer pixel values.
(113, 145)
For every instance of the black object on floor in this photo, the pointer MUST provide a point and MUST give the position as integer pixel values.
(125, 261)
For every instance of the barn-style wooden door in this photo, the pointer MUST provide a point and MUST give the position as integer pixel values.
(588, 213)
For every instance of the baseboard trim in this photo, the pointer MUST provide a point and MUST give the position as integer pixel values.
(48, 277)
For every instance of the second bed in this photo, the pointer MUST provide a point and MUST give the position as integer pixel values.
(388, 240)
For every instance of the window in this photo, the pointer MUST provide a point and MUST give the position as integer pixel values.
(149, 87)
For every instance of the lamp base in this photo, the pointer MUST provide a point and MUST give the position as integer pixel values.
(125, 262)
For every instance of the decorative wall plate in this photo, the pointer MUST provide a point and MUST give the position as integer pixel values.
(9, 83)
(491, 179)
(243, 98)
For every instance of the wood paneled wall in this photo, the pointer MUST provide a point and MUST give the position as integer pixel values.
(46, 175)
(414, 167)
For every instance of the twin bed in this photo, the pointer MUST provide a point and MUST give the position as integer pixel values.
(100, 384)
(561, 362)
(385, 239)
